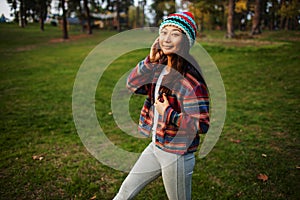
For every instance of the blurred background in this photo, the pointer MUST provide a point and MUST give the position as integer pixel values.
(244, 15)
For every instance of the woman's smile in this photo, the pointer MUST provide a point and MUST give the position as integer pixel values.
(167, 46)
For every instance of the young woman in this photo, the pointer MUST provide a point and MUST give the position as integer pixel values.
(175, 111)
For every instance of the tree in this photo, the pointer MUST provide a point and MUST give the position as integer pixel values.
(36, 9)
(43, 13)
(271, 18)
(162, 8)
(199, 9)
(41, 7)
(240, 16)
(64, 20)
(118, 15)
(88, 17)
(22, 14)
(140, 12)
(208, 14)
(257, 18)
(289, 12)
(230, 19)
(119, 7)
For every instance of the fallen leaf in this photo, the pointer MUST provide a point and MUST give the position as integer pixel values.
(37, 157)
(262, 177)
(235, 141)
(93, 198)
(34, 157)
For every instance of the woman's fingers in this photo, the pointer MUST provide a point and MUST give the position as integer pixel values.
(161, 106)
(165, 97)
(154, 52)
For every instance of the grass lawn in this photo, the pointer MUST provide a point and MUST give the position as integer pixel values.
(42, 156)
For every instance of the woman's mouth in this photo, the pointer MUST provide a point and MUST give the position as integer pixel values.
(168, 47)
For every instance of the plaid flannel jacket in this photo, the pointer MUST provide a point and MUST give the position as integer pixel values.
(187, 116)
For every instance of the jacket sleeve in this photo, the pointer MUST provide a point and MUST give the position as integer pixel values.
(141, 76)
(194, 117)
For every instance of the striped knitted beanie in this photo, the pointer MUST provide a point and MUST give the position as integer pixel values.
(185, 22)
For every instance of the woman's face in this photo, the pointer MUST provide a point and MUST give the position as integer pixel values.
(170, 40)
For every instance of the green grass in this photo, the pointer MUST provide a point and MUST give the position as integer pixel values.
(261, 78)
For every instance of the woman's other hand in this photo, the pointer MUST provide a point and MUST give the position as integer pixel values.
(161, 106)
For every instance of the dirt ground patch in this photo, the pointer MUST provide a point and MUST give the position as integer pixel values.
(239, 42)
(54, 40)
(71, 38)
(25, 48)
(245, 40)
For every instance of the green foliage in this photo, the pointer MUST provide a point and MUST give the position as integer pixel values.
(161, 8)
(36, 81)
(290, 9)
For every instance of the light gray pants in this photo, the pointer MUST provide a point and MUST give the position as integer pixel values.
(176, 171)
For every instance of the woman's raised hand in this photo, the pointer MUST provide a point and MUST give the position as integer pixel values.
(155, 52)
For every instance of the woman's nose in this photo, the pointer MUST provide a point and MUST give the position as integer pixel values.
(168, 38)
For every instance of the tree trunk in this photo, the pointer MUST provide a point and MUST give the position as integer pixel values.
(230, 19)
(22, 14)
(175, 6)
(282, 18)
(286, 24)
(201, 22)
(296, 24)
(43, 10)
(143, 13)
(42, 23)
(137, 17)
(88, 17)
(65, 29)
(118, 16)
(272, 21)
(256, 19)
